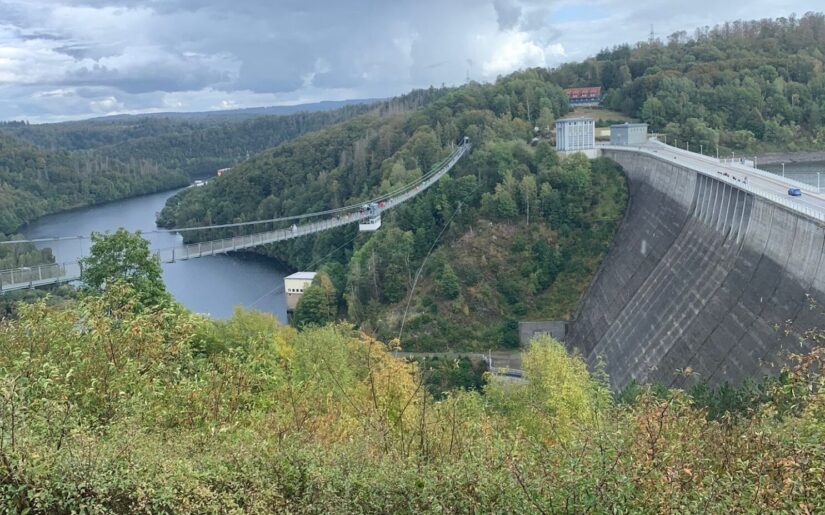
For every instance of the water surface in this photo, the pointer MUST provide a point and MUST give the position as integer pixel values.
(212, 285)
(812, 173)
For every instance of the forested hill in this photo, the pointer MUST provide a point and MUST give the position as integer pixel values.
(489, 267)
(190, 146)
(756, 85)
(198, 145)
(371, 154)
(34, 181)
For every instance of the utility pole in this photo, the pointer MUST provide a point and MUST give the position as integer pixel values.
(687, 146)
(700, 149)
(783, 169)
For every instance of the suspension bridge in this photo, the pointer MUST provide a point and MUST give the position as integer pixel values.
(367, 214)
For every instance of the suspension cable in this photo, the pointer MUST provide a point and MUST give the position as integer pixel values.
(401, 189)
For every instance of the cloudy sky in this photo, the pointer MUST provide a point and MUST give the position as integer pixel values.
(68, 59)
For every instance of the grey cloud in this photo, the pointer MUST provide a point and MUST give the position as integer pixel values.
(508, 13)
(144, 79)
(77, 56)
(43, 36)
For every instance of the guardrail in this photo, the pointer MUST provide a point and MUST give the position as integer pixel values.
(768, 175)
(814, 213)
(235, 243)
(29, 277)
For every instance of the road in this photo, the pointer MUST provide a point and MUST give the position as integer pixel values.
(756, 179)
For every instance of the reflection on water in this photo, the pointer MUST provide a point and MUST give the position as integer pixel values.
(212, 285)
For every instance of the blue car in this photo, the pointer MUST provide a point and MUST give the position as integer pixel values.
(795, 192)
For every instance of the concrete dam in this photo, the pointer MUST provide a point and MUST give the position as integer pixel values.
(701, 279)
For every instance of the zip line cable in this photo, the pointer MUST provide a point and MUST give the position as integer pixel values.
(427, 257)
(310, 265)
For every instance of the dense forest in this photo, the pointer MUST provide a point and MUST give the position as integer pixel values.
(34, 181)
(538, 225)
(110, 408)
(51, 167)
(194, 147)
(749, 85)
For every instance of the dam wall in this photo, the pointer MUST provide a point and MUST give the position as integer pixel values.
(700, 281)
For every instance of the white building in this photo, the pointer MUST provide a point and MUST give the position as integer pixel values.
(574, 134)
(294, 286)
(628, 134)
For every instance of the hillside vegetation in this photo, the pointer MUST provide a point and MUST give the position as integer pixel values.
(35, 182)
(105, 407)
(192, 146)
(516, 232)
(744, 85)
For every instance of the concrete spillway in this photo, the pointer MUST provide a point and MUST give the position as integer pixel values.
(702, 276)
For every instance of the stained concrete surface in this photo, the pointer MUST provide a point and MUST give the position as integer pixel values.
(700, 281)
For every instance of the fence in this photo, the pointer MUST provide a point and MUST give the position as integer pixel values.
(28, 277)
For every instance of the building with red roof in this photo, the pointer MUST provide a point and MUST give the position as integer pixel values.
(590, 96)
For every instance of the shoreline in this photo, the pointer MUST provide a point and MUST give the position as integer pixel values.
(774, 158)
(22, 228)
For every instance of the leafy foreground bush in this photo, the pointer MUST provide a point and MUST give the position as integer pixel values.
(105, 408)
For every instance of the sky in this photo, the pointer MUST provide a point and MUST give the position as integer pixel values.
(73, 59)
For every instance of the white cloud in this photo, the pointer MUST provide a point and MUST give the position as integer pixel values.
(514, 50)
(106, 105)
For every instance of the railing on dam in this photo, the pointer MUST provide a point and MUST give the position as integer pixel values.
(723, 172)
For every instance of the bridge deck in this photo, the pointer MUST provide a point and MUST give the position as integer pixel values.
(30, 277)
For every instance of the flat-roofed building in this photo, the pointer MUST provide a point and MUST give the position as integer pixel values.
(294, 286)
(573, 134)
(628, 134)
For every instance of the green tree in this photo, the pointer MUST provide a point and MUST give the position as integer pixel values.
(653, 112)
(528, 191)
(317, 306)
(124, 257)
(505, 204)
(448, 285)
(560, 393)
(545, 121)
